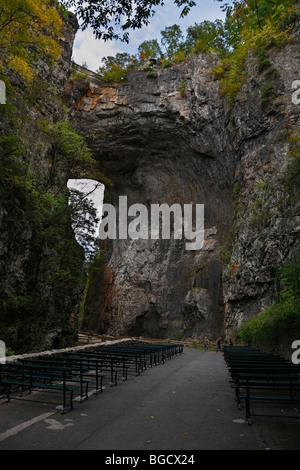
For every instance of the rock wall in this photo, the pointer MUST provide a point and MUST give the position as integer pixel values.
(161, 145)
(172, 138)
(266, 224)
(35, 311)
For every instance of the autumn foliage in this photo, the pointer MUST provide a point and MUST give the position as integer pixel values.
(28, 29)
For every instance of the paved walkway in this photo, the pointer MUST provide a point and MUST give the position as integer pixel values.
(184, 404)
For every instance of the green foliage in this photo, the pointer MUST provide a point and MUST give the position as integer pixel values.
(281, 320)
(267, 93)
(291, 179)
(150, 50)
(94, 268)
(231, 72)
(171, 40)
(28, 30)
(182, 87)
(69, 154)
(255, 26)
(206, 37)
(249, 25)
(38, 221)
(12, 145)
(263, 61)
(116, 74)
(290, 18)
(68, 144)
(123, 60)
(78, 74)
(151, 74)
(288, 281)
(114, 69)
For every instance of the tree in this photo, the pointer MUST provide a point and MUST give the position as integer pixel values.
(150, 49)
(252, 25)
(84, 221)
(207, 36)
(257, 11)
(28, 29)
(172, 40)
(69, 151)
(121, 59)
(115, 68)
(108, 17)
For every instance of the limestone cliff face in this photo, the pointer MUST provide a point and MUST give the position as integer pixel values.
(173, 138)
(168, 137)
(266, 224)
(159, 144)
(35, 311)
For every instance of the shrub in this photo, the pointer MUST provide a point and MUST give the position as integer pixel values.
(267, 93)
(281, 320)
(116, 74)
(292, 172)
(280, 323)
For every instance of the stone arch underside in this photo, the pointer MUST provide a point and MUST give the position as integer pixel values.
(159, 145)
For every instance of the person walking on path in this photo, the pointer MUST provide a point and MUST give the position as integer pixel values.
(205, 343)
(218, 344)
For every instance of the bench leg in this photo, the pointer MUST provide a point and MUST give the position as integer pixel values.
(97, 383)
(247, 403)
(113, 380)
(101, 384)
(67, 405)
(124, 373)
(237, 398)
(8, 392)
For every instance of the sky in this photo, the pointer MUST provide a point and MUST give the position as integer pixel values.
(95, 192)
(89, 51)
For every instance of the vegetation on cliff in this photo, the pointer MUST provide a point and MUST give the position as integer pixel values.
(43, 268)
(279, 325)
(29, 29)
(249, 26)
(42, 265)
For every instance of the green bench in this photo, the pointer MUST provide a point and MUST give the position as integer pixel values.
(280, 388)
(127, 359)
(30, 376)
(77, 373)
(88, 369)
(258, 376)
(104, 363)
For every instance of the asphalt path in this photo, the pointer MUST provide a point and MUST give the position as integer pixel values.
(185, 404)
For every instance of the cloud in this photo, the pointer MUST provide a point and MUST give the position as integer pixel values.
(90, 51)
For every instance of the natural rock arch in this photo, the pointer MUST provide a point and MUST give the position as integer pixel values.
(158, 146)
